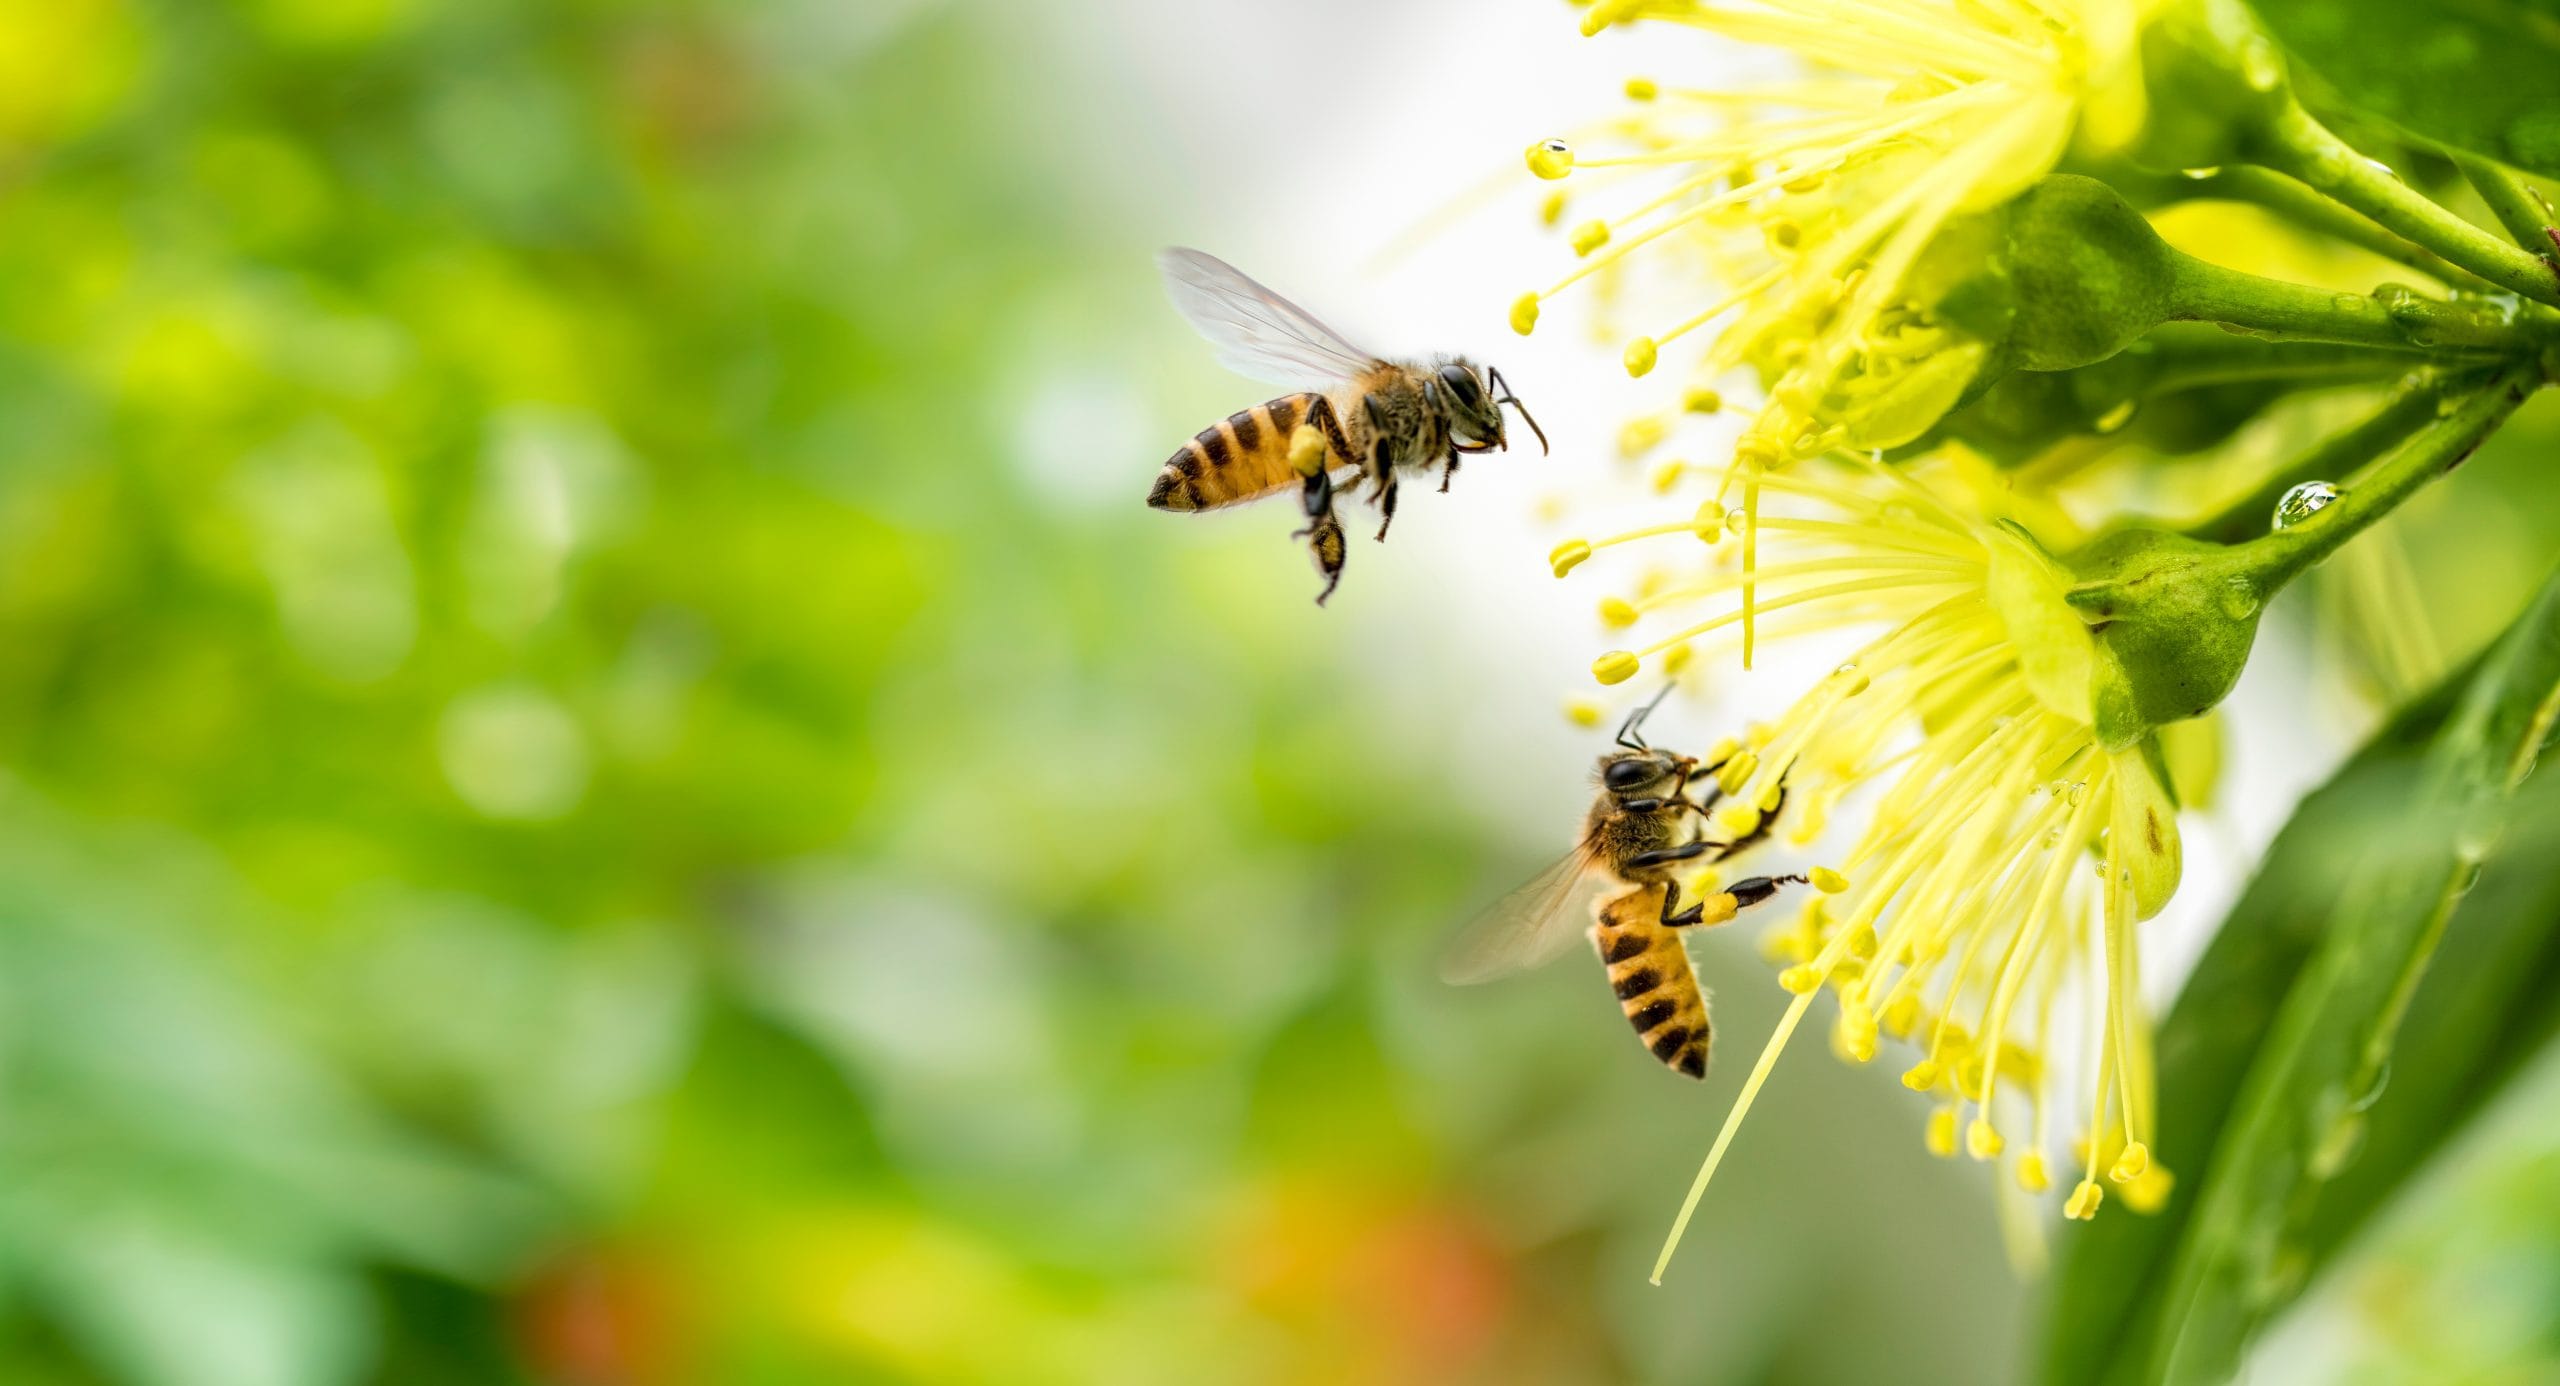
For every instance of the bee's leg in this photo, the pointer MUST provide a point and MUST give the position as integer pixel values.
(1323, 532)
(1768, 821)
(1449, 469)
(1324, 540)
(1322, 416)
(1728, 902)
(1387, 503)
(1665, 856)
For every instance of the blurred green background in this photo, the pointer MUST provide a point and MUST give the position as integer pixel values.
(582, 806)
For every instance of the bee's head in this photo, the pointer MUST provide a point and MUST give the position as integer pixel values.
(1637, 774)
(1476, 397)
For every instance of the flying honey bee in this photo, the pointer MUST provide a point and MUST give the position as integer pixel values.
(1374, 419)
(1642, 829)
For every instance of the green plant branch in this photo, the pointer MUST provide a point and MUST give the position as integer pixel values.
(2512, 201)
(2409, 408)
(2289, 199)
(2293, 143)
(2274, 559)
(2205, 292)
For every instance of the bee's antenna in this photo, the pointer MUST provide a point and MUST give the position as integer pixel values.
(1506, 397)
(1630, 735)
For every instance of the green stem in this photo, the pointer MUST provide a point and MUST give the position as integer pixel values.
(2412, 406)
(2272, 560)
(2295, 144)
(2513, 201)
(2202, 292)
(2264, 187)
(2234, 359)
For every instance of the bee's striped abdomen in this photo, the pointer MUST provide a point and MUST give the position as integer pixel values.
(1649, 969)
(1242, 457)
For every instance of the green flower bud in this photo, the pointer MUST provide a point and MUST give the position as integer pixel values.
(2090, 274)
(2174, 619)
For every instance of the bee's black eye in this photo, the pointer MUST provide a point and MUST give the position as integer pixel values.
(1462, 383)
(1624, 775)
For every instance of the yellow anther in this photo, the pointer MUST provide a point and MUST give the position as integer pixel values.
(1588, 237)
(1852, 1046)
(2130, 1165)
(1736, 771)
(1617, 666)
(2084, 1201)
(1677, 658)
(1705, 881)
(1640, 356)
(1639, 437)
(1551, 159)
(1567, 556)
(1942, 1133)
(1307, 450)
(2031, 1173)
(1828, 881)
(1980, 1141)
(1800, 979)
(1757, 733)
(1922, 1076)
(1863, 943)
(1583, 712)
(1551, 211)
(1969, 1076)
(1902, 1016)
(1722, 751)
(1708, 523)
(1702, 401)
(1524, 314)
(1771, 797)
(1668, 475)
(1741, 820)
(1617, 612)
(1642, 89)
(2148, 1193)
(1857, 1032)
(1606, 13)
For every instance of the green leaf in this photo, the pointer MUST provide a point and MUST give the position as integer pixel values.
(2275, 1053)
(2474, 74)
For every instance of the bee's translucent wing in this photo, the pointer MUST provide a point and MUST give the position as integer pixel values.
(1257, 332)
(1529, 926)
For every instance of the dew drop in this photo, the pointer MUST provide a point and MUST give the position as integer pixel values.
(1551, 159)
(2371, 1092)
(2239, 598)
(2079, 793)
(2303, 502)
(2348, 303)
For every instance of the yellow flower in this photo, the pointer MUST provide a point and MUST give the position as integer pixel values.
(1811, 205)
(2006, 856)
